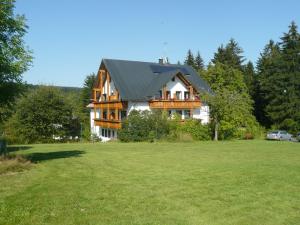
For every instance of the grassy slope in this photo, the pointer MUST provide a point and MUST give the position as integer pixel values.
(243, 182)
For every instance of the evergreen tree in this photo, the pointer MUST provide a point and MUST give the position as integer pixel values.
(199, 62)
(230, 55)
(86, 92)
(265, 91)
(190, 60)
(279, 81)
(249, 78)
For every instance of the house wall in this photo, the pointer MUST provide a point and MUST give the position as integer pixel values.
(137, 106)
(176, 85)
(112, 88)
(202, 113)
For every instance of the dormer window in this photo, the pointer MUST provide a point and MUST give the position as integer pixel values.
(173, 79)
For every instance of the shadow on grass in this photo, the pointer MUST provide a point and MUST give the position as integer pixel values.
(38, 156)
(17, 148)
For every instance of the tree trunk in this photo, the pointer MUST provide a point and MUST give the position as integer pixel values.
(216, 131)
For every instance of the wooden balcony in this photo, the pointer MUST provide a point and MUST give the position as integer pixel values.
(110, 105)
(174, 104)
(112, 124)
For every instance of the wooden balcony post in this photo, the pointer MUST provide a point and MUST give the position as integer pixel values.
(164, 92)
(116, 114)
(101, 91)
(191, 92)
(107, 83)
(94, 94)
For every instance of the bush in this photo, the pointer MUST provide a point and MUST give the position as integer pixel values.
(197, 130)
(144, 126)
(155, 125)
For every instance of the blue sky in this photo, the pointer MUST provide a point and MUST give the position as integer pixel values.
(69, 38)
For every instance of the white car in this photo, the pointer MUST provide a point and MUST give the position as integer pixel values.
(298, 137)
(279, 135)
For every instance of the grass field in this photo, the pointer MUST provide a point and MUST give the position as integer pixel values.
(241, 182)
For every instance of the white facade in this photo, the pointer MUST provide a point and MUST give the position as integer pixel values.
(142, 106)
(176, 85)
(176, 90)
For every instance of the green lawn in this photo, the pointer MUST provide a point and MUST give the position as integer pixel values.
(241, 182)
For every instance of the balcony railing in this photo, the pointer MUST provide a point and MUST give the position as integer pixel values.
(174, 104)
(111, 105)
(112, 124)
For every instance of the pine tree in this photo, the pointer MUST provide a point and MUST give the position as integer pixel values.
(190, 60)
(265, 91)
(279, 81)
(230, 55)
(249, 78)
(199, 62)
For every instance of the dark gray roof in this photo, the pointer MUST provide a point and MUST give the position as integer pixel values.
(137, 81)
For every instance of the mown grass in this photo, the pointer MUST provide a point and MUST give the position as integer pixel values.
(241, 182)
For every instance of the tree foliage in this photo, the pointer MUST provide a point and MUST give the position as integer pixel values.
(199, 63)
(231, 105)
(15, 58)
(41, 115)
(230, 55)
(278, 89)
(144, 126)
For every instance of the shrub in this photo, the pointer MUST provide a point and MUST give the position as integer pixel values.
(144, 126)
(197, 130)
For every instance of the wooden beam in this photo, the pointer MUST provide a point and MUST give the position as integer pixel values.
(107, 83)
(101, 84)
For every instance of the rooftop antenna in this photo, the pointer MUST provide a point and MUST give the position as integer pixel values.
(165, 58)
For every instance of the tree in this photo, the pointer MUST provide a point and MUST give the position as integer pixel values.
(264, 88)
(230, 105)
(189, 60)
(279, 81)
(41, 115)
(230, 55)
(87, 90)
(249, 78)
(15, 58)
(199, 62)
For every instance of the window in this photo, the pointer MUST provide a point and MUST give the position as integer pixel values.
(112, 115)
(173, 79)
(186, 95)
(178, 94)
(168, 94)
(104, 97)
(108, 134)
(160, 94)
(104, 114)
(187, 114)
(170, 113)
(179, 112)
(103, 133)
(113, 133)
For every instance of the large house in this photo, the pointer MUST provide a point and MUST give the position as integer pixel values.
(123, 86)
